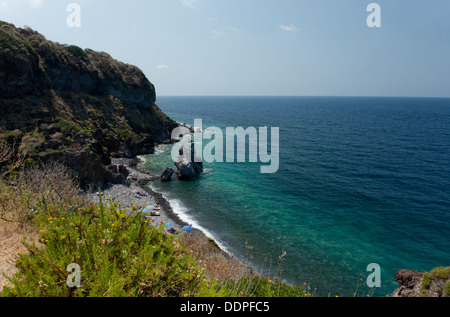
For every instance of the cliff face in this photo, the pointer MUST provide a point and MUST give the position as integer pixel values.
(78, 106)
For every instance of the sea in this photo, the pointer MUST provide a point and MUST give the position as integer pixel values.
(361, 181)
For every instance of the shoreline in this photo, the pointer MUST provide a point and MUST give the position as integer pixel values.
(140, 180)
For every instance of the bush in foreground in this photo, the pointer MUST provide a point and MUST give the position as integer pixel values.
(119, 255)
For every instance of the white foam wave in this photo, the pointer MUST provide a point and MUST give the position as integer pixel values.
(183, 213)
(142, 158)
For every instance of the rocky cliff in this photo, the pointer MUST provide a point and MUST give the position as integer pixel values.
(61, 102)
(418, 284)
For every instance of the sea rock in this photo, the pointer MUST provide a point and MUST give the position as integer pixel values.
(166, 175)
(189, 165)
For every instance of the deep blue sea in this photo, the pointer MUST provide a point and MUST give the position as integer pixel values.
(361, 181)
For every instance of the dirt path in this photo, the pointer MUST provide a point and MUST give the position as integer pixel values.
(10, 244)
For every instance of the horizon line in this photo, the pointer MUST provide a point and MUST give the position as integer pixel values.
(310, 96)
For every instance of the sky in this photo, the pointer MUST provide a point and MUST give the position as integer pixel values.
(260, 47)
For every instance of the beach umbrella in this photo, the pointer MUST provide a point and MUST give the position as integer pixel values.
(169, 224)
(135, 191)
(187, 228)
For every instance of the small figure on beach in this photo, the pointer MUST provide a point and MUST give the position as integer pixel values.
(172, 231)
(139, 193)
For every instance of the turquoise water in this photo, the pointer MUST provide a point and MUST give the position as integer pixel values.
(361, 180)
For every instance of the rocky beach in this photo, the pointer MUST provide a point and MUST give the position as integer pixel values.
(135, 191)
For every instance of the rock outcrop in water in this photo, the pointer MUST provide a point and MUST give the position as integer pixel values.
(189, 165)
(60, 102)
(166, 175)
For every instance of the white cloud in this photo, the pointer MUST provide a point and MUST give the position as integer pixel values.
(189, 3)
(162, 66)
(225, 30)
(3, 5)
(232, 29)
(6, 4)
(35, 3)
(289, 28)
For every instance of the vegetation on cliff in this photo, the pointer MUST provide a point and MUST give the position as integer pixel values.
(60, 102)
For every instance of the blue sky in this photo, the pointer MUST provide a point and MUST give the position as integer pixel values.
(261, 47)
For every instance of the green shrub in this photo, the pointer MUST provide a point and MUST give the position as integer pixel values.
(66, 126)
(76, 51)
(119, 255)
(446, 289)
(9, 42)
(441, 273)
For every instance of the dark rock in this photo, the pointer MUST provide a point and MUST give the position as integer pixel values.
(89, 169)
(166, 175)
(186, 170)
(113, 169)
(189, 165)
(145, 145)
(123, 170)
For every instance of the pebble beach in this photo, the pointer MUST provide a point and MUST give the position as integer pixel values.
(136, 192)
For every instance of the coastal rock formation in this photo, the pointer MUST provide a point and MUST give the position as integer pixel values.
(166, 175)
(61, 102)
(417, 284)
(408, 280)
(189, 165)
(119, 173)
